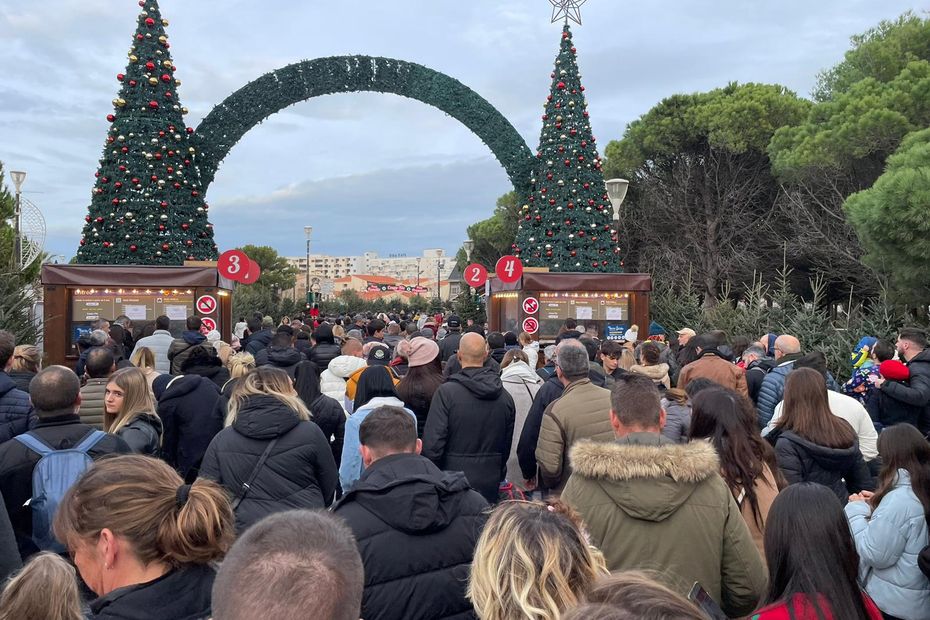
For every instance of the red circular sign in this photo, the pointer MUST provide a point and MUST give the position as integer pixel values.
(476, 275)
(253, 271)
(206, 304)
(530, 325)
(531, 305)
(209, 323)
(232, 264)
(509, 269)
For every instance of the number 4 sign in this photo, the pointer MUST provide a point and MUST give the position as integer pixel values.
(509, 269)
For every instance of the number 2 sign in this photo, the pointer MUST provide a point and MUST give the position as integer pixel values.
(476, 275)
(509, 269)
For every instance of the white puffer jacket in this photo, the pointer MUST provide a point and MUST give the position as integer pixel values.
(333, 379)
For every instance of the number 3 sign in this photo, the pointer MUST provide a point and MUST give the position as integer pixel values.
(509, 269)
(235, 265)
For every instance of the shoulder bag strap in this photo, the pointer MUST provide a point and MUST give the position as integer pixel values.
(528, 390)
(246, 486)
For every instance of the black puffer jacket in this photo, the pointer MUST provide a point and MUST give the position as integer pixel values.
(285, 358)
(323, 353)
(258, 341)
(191, 415)
(202, 360)
(299, 473)
(182, 594)
(804, 461)
(916, 392)
(416, 529)
(329, 415)
(470, 428)
(16, 415)
(22, 378)
(143, 434)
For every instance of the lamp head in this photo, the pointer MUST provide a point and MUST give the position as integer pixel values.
(616, 191)
(308, 230)
(17, 177)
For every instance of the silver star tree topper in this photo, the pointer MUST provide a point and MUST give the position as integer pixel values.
(567, 10)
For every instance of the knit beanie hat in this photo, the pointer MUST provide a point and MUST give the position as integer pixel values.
(862, 351)
(422, 351)
(893, 370)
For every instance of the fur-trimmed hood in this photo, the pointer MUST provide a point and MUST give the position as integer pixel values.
(644, 474)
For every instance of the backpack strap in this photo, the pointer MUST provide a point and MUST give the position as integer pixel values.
(91, 440)
(34, 443)
(247, 485)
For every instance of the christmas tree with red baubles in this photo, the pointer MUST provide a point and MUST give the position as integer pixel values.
(566, 222)
(147, 206)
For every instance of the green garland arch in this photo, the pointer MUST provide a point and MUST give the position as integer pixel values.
(228, 122)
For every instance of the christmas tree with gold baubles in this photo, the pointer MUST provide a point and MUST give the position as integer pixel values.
(147, 204)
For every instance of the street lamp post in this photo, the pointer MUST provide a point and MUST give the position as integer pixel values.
(308, 230)
(17, 177)
(418, 275)
(439, 265)
(616, 191)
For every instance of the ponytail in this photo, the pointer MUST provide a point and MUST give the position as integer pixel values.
(145, 501)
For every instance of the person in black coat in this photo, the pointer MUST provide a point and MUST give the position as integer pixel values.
(280, 354)
(325, 350)
(757, 366)
(299, 471)
(203, 360)
(550, 391)
(416, 526)
(813, 445)
(188, 407)
(302, 342)
(260, 339)
(56, 395)
(470, 423)
(325, 412)
(912, 347)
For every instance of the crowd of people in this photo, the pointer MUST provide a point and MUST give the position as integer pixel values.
(414, 467)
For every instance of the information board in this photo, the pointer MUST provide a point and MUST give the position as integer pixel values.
(138, 307)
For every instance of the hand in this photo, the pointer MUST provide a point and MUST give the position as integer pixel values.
(866, 494)
(878, 381)
(856, 498)
(530, 485)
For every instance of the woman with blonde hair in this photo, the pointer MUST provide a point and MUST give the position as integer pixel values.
(532, 561)
(26, 365)
(144, 541)
(239, 365)
(129, 411)
(46, 588)
(270, 457)
(143, 359)
(531, 348)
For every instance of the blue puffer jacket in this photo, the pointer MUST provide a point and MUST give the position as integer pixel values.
(772, 390)
(15, 409)
(888, 544)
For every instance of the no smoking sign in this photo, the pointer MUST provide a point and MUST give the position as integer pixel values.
(209, 323)
(531, 305)
(206, 304)
(530, 325)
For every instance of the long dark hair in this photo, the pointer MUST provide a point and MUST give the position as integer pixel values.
(810, 552)
(417, 387)
(807, 412)
(375, 381)
(728, 419)
(903, 447)
(307, 382)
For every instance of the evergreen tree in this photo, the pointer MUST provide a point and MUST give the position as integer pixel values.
(566, 224)
(147, 205)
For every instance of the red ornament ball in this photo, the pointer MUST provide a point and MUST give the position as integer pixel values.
(149, 22)
(83, 241)
(120, 76)
(106, 244)
(190, 130)
(165, 247)
(133, 248)
(165, 77)
(132, 82)
(111, 117)
(560, 85)
(153, 105)
(195, 193)
(87, 218)
(189, 243)
(161, 228)
(573, 253)
(185, 226)
(150, 66)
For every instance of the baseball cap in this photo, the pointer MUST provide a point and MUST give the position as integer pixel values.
(453, 321)
(379, 355)
(686, 331)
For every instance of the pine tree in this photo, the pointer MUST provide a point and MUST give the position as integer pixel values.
(147, 205)
(566, 224)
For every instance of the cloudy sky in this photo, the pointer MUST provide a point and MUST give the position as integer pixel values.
(369, 171)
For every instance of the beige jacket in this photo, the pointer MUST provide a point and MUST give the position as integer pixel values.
(582, 412)
(658, 373)
(766, 491)
(92, 408)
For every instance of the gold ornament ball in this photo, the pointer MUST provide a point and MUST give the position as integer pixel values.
(153, 81)
(133, 58)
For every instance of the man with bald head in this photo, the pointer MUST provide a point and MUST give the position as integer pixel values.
(787, 352)
(469, 427)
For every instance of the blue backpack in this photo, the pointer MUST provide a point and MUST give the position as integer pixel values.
(53, 475)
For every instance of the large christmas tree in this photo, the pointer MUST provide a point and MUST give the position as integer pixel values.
(566, 223)
(147, 205)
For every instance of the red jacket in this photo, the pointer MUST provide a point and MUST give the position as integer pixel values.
(803, 610)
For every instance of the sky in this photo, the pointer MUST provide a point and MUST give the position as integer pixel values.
(378, 172)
